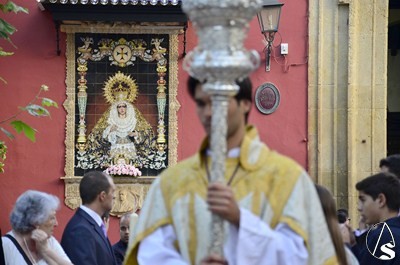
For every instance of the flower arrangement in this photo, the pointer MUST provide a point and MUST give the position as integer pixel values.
(123, 170)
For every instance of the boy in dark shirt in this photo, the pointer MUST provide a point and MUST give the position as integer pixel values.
(379, 204)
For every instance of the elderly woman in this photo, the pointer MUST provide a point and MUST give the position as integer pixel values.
(33, 219)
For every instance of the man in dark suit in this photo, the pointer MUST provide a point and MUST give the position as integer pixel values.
(84, 239)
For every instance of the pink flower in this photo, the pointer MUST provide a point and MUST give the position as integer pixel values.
(123, 169)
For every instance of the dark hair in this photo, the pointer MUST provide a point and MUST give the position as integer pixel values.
(343, 215)
(244, 93)
(392, 162)
(329, 208)
(385, 183)
(92, 184)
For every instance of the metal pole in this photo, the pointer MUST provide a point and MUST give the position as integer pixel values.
(218, 154)
(219, 60)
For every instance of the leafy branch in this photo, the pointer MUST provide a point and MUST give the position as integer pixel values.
(19, 126)
(34, 109)
(6, 29)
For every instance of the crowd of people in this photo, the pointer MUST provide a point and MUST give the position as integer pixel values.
(274, 213)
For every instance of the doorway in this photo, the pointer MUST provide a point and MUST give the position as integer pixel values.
(393, 79)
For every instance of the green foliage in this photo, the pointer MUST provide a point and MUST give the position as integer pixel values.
(49, 103)
(21, 126)
(33, 108)
(6, 29)
(3, 53)
(36, 110)
(12, 7)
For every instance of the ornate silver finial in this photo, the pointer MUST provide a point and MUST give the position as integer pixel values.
(220, 59)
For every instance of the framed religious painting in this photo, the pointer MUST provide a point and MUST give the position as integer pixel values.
(121, 108)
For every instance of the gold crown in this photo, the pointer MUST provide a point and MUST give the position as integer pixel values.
(120, 93)
(120, 87)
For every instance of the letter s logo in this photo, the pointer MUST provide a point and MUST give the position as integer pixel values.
(387, 249)
(382, 242)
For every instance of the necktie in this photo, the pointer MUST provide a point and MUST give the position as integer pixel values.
(103, 227)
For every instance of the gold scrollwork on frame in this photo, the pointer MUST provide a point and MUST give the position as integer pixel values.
(134, 62)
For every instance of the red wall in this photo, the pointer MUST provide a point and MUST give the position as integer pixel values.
(40, 165)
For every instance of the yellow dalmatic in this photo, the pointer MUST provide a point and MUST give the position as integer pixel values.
(271, 186)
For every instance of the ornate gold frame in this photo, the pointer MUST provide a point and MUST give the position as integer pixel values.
(137, 186)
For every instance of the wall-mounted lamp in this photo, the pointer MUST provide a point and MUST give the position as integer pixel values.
(268, 18)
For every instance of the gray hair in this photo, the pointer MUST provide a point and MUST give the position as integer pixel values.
(32, 208)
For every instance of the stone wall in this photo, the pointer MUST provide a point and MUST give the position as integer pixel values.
(347, 93)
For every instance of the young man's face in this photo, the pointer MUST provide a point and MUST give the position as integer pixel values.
(385, 169)
(236, 111)
(368, 208)
(124, 229)
(108, 197)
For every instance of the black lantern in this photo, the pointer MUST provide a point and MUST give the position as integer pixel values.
(268, 18)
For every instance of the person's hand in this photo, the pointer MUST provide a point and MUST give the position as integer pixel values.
(106, 221)
(361, 224)
(113, 128)
(213, 260)
(133, 134)
(221, 201)
(41, 239)
(347, 234)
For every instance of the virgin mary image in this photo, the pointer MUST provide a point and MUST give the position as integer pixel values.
(122, 134)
